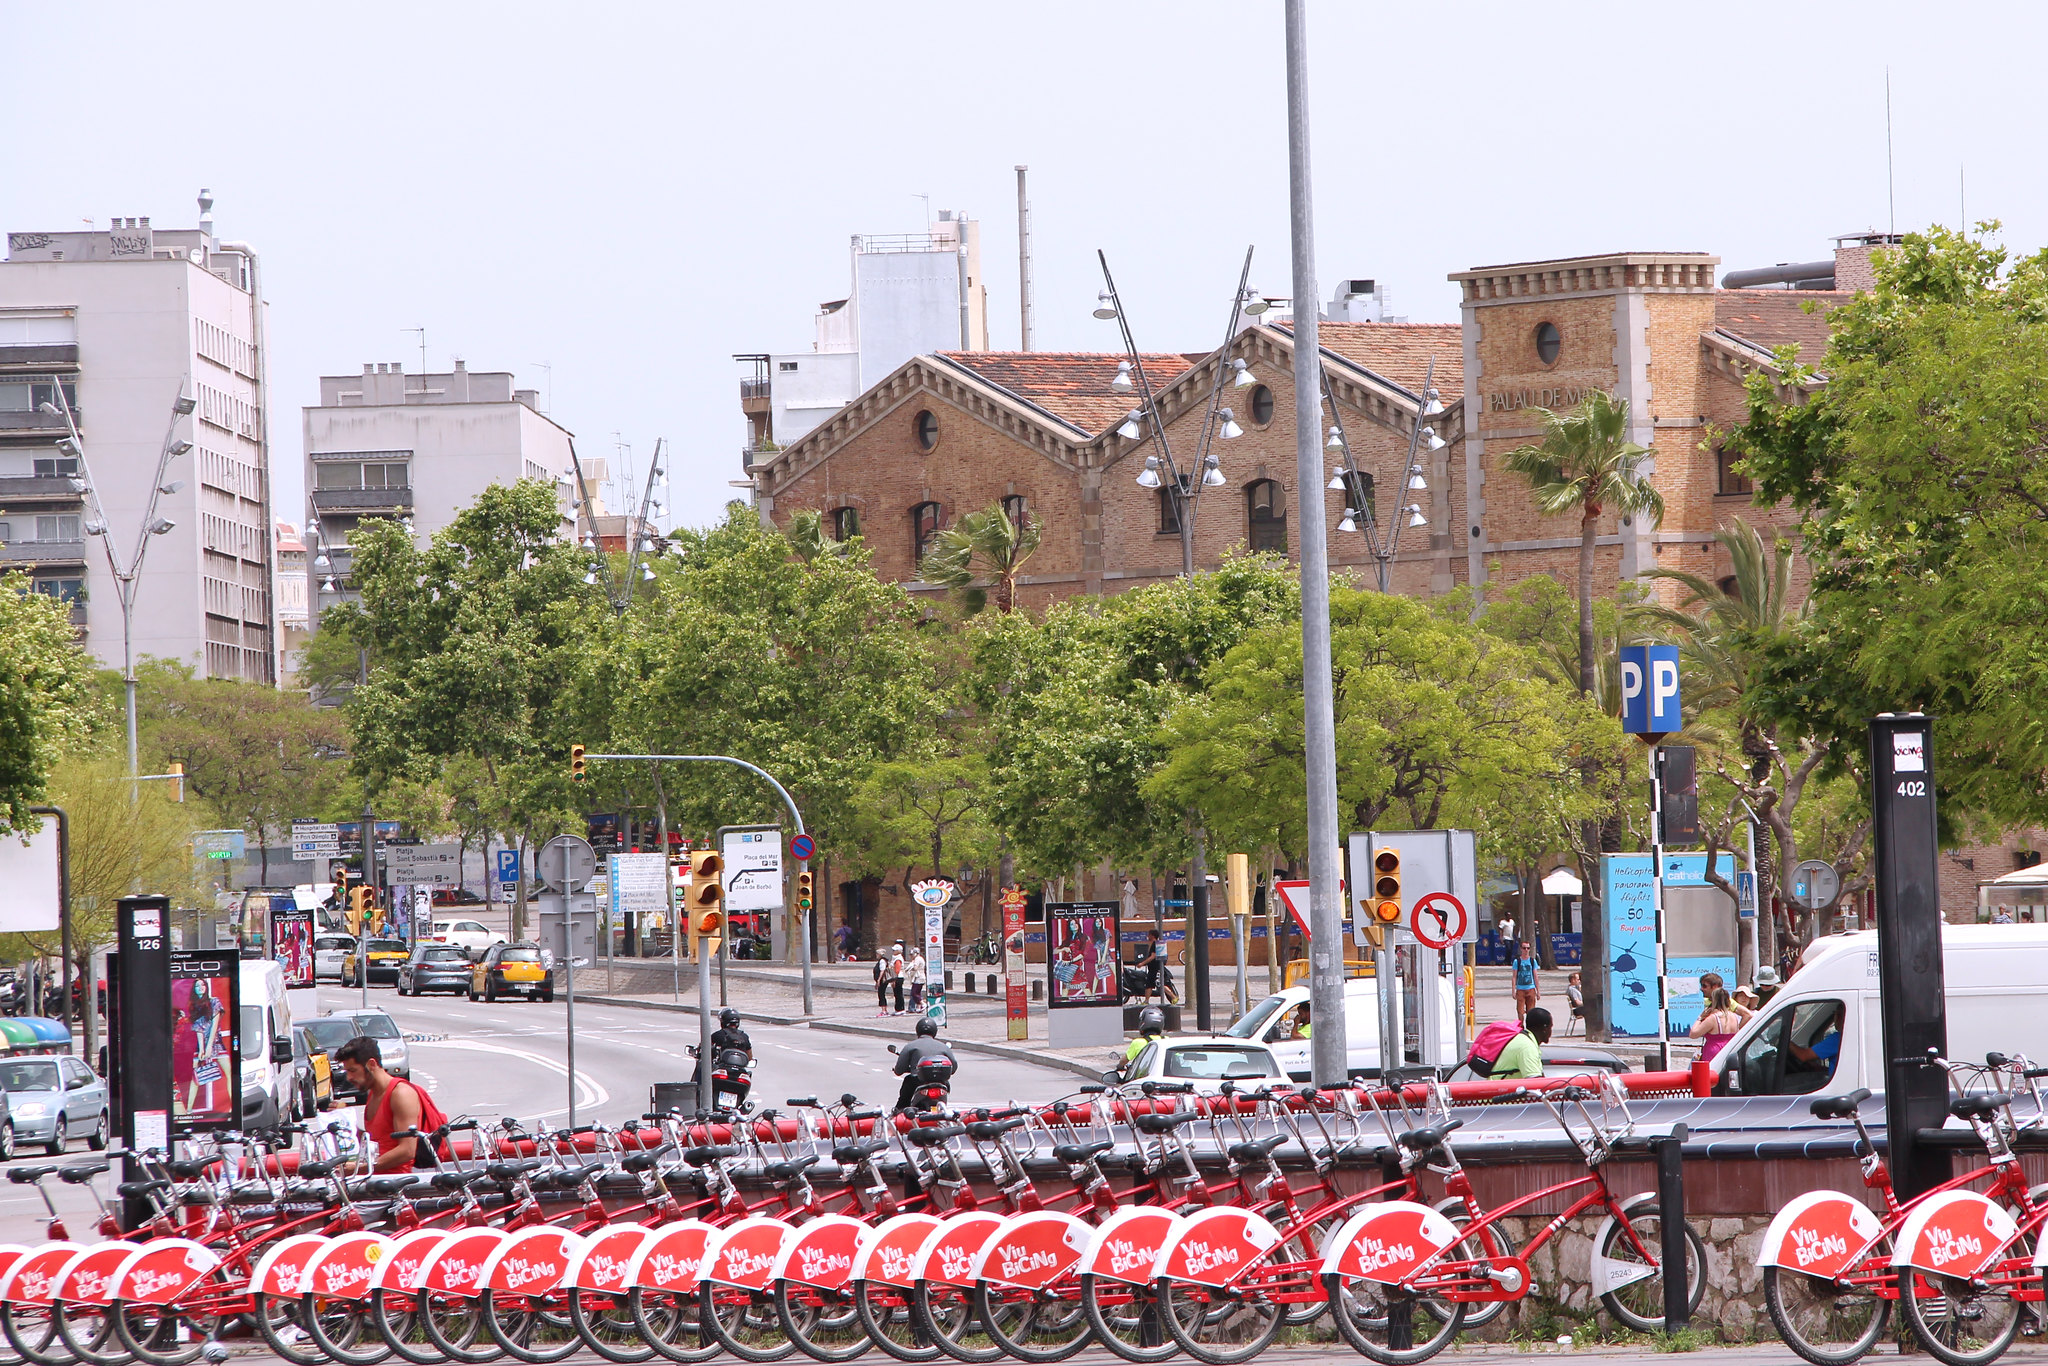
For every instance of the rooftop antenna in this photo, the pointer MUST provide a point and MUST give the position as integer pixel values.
(927, 210)
(1891, 193)
(543, 365)
(1023, 261)
(423, 356)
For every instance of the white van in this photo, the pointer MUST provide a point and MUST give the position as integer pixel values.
(1272, 1020)
(1823, 1032)
(269, 1080)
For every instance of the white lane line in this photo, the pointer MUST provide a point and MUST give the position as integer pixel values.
(589, 1092)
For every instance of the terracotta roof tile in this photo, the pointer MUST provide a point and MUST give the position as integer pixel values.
(1771, 318)
(1401, 352)
(1071, 385)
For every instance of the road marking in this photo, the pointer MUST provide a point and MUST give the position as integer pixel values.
(589, 1091)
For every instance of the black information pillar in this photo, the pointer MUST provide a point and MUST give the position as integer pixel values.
(141, 1057)
(1909, 967)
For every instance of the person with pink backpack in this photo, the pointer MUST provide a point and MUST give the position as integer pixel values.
(1509, 1052)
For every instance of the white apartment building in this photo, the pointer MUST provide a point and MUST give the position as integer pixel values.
(123, 323)
(419, 447)
(294, 624)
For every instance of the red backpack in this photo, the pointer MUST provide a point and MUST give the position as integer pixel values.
(1487, 1046)
(431, 1120)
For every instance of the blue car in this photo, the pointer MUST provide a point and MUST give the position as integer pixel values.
(54, 1100)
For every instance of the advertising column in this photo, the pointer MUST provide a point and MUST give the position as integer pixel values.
(932, 898)
(1014, 988)
(1084, 990)
(205, 1062)
(1628, 905)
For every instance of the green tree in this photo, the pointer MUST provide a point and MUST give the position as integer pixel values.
(925, 812)
(49, 699)
(984, 546)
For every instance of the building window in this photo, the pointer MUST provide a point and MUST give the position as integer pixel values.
(924, 524)
(28, 394)
(1169, 511)
(1262, 406)
(1731, 586)
(785, 367)
(59, 528)
(368, 474)
(1548, 343)
(845, 524)
(56, 466)
(1014, 508)
(926, 425)
(1728, 480)
(64, 590)
(1268, 516)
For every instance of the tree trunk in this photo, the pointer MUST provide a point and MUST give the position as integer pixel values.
(1589, 529)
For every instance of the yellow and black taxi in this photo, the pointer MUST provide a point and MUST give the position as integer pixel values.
(386, 957)
(512, 970)
(315, 1072)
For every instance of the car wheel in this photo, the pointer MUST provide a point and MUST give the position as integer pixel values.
(490, 991)
(60, 1138)
(548, 997)
(97, 1139)
(472, 993)
(7, 1141)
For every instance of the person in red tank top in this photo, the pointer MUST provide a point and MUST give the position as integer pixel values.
(393, 1104)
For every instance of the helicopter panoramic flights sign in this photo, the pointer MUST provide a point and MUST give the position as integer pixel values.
(1634, 992)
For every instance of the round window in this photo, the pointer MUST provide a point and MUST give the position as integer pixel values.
(1548, 343)
(927, 428)
(1262, 405)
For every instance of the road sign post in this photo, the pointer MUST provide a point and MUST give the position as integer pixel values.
(565, 866)
(1651, 709)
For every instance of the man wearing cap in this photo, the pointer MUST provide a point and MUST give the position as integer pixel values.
(1767, 985)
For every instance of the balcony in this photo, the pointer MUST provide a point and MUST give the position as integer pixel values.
(33, 420)
(78, 613)
(36, 488)
(41, 357)
(363, 501)
(15, 553)
(753, 388)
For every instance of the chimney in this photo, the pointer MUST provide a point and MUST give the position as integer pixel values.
(369, 369)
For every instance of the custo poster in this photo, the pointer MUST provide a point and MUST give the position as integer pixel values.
(1081, 954)
(205, 1068)
(291, 941)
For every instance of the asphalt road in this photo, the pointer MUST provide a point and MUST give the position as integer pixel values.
(511, 1058)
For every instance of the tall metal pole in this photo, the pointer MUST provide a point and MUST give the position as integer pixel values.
(1023, 264)
(370, 881)
(1319, 710)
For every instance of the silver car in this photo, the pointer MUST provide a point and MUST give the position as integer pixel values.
(53, 1100)
(328, 951)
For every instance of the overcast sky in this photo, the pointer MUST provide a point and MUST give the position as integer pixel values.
(631, 194)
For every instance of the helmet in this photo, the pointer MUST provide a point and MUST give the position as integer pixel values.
(927, 1028)
(729, 1017)
(1151, 1020)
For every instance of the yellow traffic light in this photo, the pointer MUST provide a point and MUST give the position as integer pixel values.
(576, 763)
(1237, 877)
(178, 772)
(803, 892)
(1386, 886)
(706, 904)
(358, 908)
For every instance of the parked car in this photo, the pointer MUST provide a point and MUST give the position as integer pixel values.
(386, 956)
(51, 1099)
(511, 969)
(329, 951)
(1205, 1062)
(435, 967)
(327, 1033)
(467, 934)
(269, 1072)
(315, 1071)
(1273, 1021)
(456, 896)
(391, 1045)
(1561, 1060)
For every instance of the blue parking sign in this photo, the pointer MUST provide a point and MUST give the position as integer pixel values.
(508, 866)
(1649, 690)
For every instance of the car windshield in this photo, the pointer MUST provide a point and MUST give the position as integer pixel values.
(521, 956)
(252, 1032)
(29, 1076)
(443, 956)
(333, 942)
(1214, 1064)
(377, 1026)
(331, 1034)
(387, 946)
(1255, 1019)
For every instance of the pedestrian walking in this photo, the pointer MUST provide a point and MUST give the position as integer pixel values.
(888, 978)
(914, 966)
(1717, 1024)
(849, 940)
(1527, 991)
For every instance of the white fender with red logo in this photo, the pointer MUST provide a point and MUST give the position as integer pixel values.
(1034, 1250)
(33, 1279)
(822, 1253)
(605, 1257)
(1612, 1273)
(532, 1261)
(744, 1254)
(10, 1253)
(161, 1270)
(671, 1259)
(890, 1256)
(1387, 1242)
(282, 1269)
(346, 1267)
(1821, 1233)
(456, 1267)
(406, 1261)
(88, 1278)
(1215, 1246)
(948, 1254)
(1127, 1245)
(1958, 1233)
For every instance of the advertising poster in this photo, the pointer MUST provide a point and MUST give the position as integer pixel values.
(205, 1067)
(1633, 1007)
(1018, 1009)
(1080, 954)
(291, 941)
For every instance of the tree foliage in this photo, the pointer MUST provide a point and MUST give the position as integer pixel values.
(49, 700)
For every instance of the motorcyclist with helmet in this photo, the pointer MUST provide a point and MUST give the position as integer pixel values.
(926, 1046)
(1151, 1029)
(730, 1035)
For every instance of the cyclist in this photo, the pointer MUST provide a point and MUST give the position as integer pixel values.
(1523, 1056)
(927, 1044)
(1151, 1028)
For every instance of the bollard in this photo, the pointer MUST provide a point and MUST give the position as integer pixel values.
(1038, 988)
(1671, 1224)
(993, 987)
(949, 980)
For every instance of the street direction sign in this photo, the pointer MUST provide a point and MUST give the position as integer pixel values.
(637, 885)
(803, 847)
(1815, 884)
(315, 840)
(219, 844)
(753, 867)
(565, 863)
(424, 865)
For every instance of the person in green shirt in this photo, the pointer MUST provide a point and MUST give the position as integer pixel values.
(1151, 1027)
(1304, 1027)
(1523, 1057)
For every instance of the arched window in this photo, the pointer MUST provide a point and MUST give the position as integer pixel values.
(1015, 509)
(1268, 516)
(1262, 406)
(1169, 512)
(1548, 343)
(926, 426)
(845, 523)
(924, 524)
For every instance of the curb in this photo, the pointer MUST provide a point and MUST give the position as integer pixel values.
(634, 1003)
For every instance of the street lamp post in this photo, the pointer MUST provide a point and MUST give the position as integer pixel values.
(1184, 490)
(125, 579)
(1361, 511)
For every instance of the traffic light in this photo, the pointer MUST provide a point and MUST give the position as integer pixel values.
(576, 763)
(803, 892)
(178, 772)
(706, 906)
(1386, 886)
(358, 908)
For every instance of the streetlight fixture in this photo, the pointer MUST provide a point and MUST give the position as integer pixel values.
(1122, 383)
(1243, 378)
(1148, 478)
(1385, 546)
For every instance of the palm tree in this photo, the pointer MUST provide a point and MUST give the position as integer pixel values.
(1724, 631)
(1586, 461)
(983, 545)
(809, 539)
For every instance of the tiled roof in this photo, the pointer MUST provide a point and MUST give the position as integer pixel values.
(1772, 318)
(1071, 385)
(1401, 352)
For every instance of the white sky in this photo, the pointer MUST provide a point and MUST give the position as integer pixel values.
(632, 194)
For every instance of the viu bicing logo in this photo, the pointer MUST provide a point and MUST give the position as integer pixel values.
(1811, 1245)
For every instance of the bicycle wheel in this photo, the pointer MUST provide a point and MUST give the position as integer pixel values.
(1640, 1304)
(1125, 1319)
(396, 1317)
(455, 1325)
(946, 1312)
(605, 1324)
(823, 1324)
(1389, 1324)
(1302, 1249)
(745, 1323)
(31, 1330)
(1825, 1321)
(671, 1324)
(1493, 1241)
(283, 1329)
(1959, 1324)
(1219, 1327)
(344, 1330)
(88, 1330)
(163, 1336)
(1035, 1325)
(533, 1329)
(891, 1322)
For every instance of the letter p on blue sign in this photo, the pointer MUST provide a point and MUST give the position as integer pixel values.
(1649, 690)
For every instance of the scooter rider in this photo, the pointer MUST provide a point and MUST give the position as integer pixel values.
(730, 1035)
(927, 1044)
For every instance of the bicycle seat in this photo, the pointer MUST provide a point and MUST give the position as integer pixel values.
(28, 1176)
(1431, 1137)
(316, 1170)
(783, 1171)
(641, 1161)
(507, 1171)
(931, 1138)
(1159, 1124)
(704, 1157)
(987, 1131)
(852, 1154)
(189, 1168)
(1258, 1149)
(454, 1181)
(134, 1188)
(81, 1172)
(1839, 1107)
(1073, 1153)
(1979, 1107)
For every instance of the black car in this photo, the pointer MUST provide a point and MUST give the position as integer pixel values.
(435, 967)
(329, 1032)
